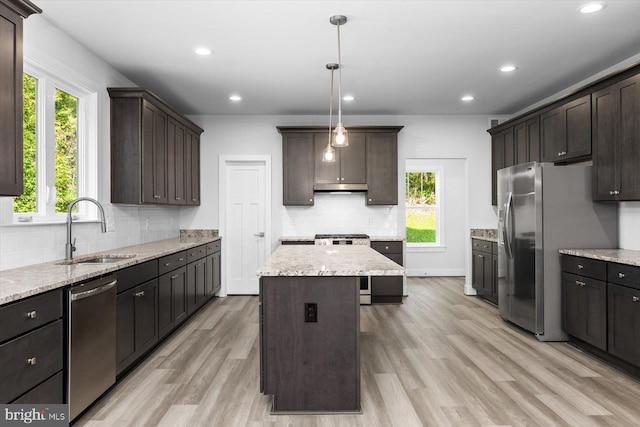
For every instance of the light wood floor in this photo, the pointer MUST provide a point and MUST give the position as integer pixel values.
(440, 359)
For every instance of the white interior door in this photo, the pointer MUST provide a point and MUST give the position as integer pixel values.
(246, 231)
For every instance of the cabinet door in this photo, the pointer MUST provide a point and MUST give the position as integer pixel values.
(325, 172)
(146, 316)
(566, 131)
(353, 168)
(201, 281)
(298, 169)
(478, 273)
(509, 148)
(604, 152)
(193, 168)
(176, 163)
(179, 285)
(497, 163)
(208, 277)
(624, 322)
(11, 108)
(125, 330)
(217, 283)
(584, 309)
(382, 168)
(195, 285)
(154, 154)
(166, 316)
(628, 139)
(533, 139)
(521, 143)
(494, 279)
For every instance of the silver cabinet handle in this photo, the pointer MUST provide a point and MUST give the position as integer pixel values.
(338, 179)
(611, 193)
(31, 361)
(480, 256)
(311, 200)
(31, 314)
(580, 283)
(260, 234)
(155, 196)
(580, 266)
(194, 200)
(620, 275)
(562, 153)
(387, 248)
(636, 299)
(139, 294)
(180, 259)
(370, 200)
(174, 277)
(342, 179)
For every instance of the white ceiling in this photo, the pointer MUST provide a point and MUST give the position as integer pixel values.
(399, 57)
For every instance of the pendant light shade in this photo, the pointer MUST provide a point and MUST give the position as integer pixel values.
(329, 153)
(341, 138)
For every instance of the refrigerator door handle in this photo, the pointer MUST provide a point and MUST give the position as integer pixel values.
(505, 228)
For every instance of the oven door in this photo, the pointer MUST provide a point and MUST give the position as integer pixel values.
(365, 290)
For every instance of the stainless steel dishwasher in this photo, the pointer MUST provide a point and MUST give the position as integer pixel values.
(92, 342)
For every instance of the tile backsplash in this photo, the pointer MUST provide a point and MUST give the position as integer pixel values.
(32, 244)
(339, 213)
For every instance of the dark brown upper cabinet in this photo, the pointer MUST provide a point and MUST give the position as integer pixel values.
(370, 163)
(502, 156)
(155, 151)
(12, 12)
(348, 172)
(566, 131)
(382, 167)
(616, 141)
(297, 168)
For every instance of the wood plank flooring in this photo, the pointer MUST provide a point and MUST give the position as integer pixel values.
(440, 359)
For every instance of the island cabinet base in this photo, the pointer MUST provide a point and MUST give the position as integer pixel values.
(309, 350)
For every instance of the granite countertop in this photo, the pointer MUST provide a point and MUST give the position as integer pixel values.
(26, 281)
(312, 238)
(342, 260)
(489, 234)
(621, 256)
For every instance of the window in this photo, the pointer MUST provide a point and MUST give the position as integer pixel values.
(59, 148)
(422, 205)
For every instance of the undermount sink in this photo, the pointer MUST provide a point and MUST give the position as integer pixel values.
(99, 259)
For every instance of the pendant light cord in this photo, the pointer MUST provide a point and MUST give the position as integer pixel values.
(339, 79)
(330, 107)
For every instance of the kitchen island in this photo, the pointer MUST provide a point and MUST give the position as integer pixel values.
(309, 325)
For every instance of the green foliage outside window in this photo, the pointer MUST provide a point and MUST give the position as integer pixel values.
(420, 215)
(26, 203)
(66, 149)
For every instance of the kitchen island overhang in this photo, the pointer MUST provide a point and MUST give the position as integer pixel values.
(309, 326)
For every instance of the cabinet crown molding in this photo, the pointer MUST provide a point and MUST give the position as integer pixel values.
(24, 8)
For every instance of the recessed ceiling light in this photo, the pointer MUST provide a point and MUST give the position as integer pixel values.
(508, 68)
(591, 7)
(467, 98)
(202, 51)
(235, 98)
(348, 98)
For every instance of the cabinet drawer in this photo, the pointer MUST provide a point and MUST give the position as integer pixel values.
(387, 247)
(213, 247)
(483, 246)
(622, 274)
(171, 262)
(196, 253)
(30, 359)
(586, 267)
(25, 315)
(131, 277)
(50, 391)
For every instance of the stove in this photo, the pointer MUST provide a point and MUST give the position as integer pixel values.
(350, 239)
(342, 239)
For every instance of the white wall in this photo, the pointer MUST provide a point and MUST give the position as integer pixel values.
(31, 244)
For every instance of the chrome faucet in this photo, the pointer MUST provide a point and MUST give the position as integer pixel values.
(70, 247)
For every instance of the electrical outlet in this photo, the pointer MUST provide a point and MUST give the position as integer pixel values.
(111, 225)
(310, 312)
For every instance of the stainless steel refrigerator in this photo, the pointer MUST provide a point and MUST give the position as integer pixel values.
(543, 208)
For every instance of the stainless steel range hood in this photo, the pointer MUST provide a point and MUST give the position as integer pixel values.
(340, 187)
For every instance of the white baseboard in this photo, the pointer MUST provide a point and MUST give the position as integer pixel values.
(425, 272)
(468, 290)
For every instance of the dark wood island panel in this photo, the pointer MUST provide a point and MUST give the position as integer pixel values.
(310, 366)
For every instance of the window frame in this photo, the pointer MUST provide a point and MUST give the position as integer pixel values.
(47, 82)
(426, 165)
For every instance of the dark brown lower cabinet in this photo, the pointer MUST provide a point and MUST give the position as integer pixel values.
(172, 300)
(624, 322)
(484, 269)
(196, 285)
(388, 289)
(136, 323)
(584, 309)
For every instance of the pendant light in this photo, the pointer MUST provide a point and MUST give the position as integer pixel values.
(341, 137)
(329, 154)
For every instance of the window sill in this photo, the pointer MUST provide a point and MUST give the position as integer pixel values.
(418, 249)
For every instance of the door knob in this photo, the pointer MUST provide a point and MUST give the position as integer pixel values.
(260, 234)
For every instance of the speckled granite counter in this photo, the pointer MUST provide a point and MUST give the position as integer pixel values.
(342, 260)
(489, 234)
(22, 282)
(621, 256)
(387, 239)
(312, 238)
